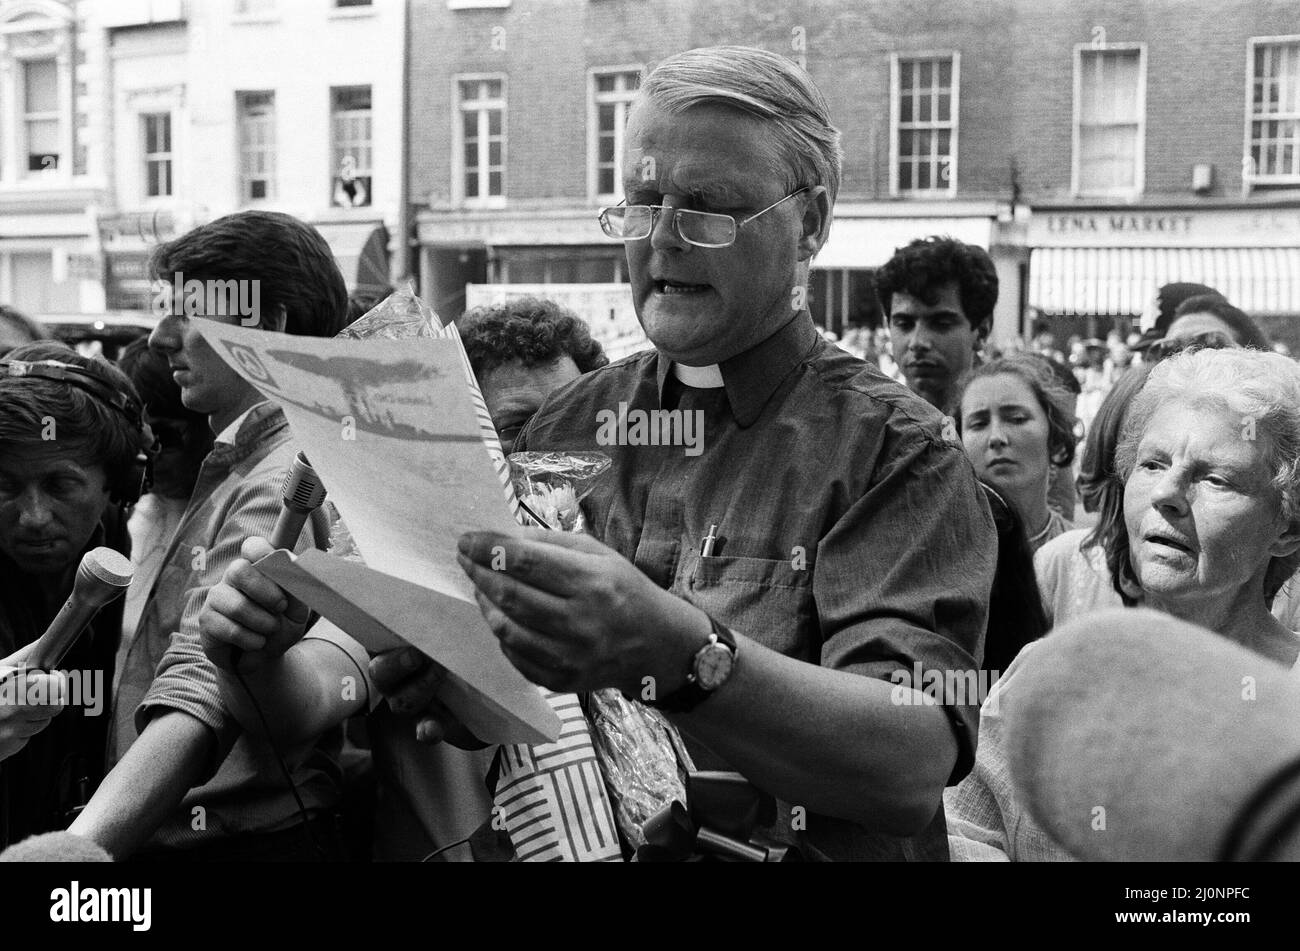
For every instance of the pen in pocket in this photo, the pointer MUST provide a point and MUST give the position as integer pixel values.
(711, 539)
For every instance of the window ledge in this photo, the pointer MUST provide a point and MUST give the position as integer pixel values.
(352, 13)
(255, 19)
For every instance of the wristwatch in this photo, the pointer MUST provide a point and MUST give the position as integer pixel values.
(710, 668)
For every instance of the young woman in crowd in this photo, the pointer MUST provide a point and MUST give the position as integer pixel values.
(1211, 531)
(1015, 424)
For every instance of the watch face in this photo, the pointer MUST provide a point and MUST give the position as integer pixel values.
(713, 666)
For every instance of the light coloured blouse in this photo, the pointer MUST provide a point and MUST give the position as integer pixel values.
(986, 823)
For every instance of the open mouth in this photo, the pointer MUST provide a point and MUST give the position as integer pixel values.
(676, 287)
(1169, 541)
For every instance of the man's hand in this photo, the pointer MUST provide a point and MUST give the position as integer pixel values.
(247, 611)
(19, 719)
(410, 681)
(574, 615)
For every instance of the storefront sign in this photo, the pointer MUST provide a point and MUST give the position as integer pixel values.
(1128, 227)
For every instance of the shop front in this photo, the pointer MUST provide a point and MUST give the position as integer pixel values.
(1096, 269)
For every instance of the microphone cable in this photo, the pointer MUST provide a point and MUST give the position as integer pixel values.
(305, 819)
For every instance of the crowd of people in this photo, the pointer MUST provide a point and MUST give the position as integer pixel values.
(888, 506)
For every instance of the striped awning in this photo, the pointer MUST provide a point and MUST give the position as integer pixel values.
(1123, 281)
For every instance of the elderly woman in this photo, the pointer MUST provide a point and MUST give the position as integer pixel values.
(1016, 424)
(1210, 464)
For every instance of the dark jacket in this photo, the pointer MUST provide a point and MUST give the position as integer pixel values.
(42, 785)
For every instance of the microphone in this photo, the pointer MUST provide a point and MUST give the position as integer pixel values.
(1132, 735)
(55, 847)
(302, 493)
(103, 575)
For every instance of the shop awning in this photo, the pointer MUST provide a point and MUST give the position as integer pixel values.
(1123, 281)
(361, 250)
(870, 242)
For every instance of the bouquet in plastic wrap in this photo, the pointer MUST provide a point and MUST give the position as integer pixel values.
(399, 316)
(641, 754)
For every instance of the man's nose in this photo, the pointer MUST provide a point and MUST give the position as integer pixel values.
(919, 338)
(166, 336)
(664, 233)
(34, 509)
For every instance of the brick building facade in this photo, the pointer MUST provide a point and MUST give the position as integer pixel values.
(1096, 147)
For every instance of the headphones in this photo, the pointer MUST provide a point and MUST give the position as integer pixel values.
(140, 478)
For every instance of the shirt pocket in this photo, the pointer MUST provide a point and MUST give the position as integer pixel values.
(767, 599)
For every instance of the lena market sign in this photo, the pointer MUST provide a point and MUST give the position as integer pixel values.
(1129, 227)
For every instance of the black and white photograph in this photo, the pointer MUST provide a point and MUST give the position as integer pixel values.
(776, 431)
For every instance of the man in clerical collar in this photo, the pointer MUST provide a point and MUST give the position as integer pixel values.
(779, 591)
(786, 544)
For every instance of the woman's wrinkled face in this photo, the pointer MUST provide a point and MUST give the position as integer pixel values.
(1004, 431)
(1203, 518)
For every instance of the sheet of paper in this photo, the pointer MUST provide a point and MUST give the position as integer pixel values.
(391, 428)
(488, 695)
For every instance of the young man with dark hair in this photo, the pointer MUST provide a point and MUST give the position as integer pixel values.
(287, 266)
(185, 776)
(938, 294)
(71, 453)
(522, 351)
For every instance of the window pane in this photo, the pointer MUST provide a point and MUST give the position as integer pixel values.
(605, 82)
(605, 181)
(905, 109)
(605, 152)
(43, 137)
(471, 185)
(494, 89)
(494, 152)
(944, 112)
(471, 155)
(494, 122)
(42, 87)
(923, 109)
(469, 123)
(495, 186)
(945, 73)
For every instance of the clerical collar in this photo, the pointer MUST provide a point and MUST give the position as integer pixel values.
(702, 378)
(750, 378)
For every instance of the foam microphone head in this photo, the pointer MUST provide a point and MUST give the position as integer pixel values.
(1132, 735)
(102, 575)
(302, 490)
(55, 847)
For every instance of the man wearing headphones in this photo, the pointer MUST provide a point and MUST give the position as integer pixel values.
(73, 447)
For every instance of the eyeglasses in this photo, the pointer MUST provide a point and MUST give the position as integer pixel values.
(1208, 340)
(703, 229)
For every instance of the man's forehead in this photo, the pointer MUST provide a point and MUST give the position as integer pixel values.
(946, 298)
(45, 458)
(705, 146)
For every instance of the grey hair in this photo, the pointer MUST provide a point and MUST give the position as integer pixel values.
(1261, 388)
(762, 84)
